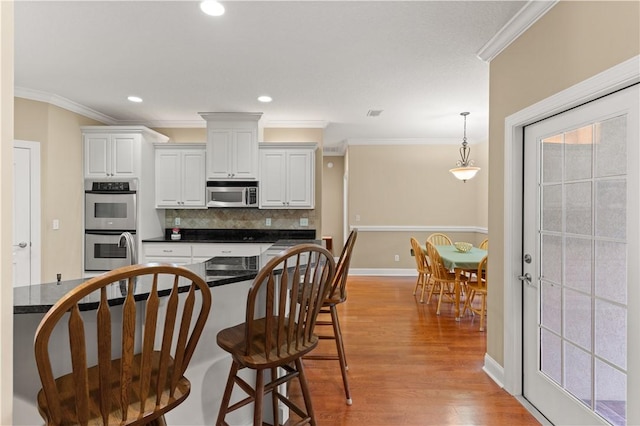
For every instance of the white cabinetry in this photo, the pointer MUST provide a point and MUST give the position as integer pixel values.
(116, 151)
(178, 253)
(287, 176)
(232, 145)
(180, 176)
(108, 155)
(183, 253)
(205, 251)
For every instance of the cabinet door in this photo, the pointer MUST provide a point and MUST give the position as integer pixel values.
(193, 178)
(125, 155)
(245, 159)
(97, 158)
(168, 178)
(273, 179)
(219, 153)
(300, 182)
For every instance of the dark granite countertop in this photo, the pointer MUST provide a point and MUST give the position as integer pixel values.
(198, 235)
(40, 298)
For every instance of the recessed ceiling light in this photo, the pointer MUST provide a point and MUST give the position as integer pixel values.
(374, 112)
(135, 98)
(265, 98)
(212, 7)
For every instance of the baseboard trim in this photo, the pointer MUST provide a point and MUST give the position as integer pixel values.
(493, 370)
(386, 272)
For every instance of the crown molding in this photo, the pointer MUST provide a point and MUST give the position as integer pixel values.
(295, 124)
(521, 21)
(402, 141)
(59, 101)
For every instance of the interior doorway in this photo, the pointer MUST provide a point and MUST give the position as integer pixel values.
(26, 249)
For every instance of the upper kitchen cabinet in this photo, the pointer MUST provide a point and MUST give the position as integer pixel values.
(116, 151)
(232, 145)
(180, 176)
(287, 176)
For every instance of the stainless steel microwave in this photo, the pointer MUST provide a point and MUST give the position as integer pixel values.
(232, 193)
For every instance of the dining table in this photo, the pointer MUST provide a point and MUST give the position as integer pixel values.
(459, 261)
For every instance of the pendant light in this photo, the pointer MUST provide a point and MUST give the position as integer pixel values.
(465, 169)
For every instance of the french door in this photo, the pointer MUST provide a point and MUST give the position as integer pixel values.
(581, 265)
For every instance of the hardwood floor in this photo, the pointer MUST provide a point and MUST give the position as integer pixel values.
(407, 366)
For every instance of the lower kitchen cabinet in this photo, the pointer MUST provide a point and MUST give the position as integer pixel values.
(287, 176)
(205, 251)
(180, 176)
(178, 253)
(182, 253)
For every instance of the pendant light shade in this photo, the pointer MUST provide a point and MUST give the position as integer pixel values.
(465, 169)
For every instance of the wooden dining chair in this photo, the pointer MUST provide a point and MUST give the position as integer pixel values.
(484, 245)
(136, 386)
(283, 304)
(439, 239)
(423, 268)
(337, 295)
(478, 287)
(443, 279)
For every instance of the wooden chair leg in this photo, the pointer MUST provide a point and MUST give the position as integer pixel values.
(274, 398)
(304, 387)
(341, 353)
(440, 298)
(433, 288)
(259, 398)
(418, 282)
(483, 308)
(424, 287)
(226, 397)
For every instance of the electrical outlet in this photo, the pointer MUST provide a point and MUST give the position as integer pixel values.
(357, 218)
(397, 258)
(56, 224)
(304, 221)
(176, 221)
(267, 221)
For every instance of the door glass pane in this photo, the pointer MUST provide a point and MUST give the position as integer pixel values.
(611, 211)
(611, 271)
(578, 260)
(611, 147)
(552, 208)
(551, 361)
(577, 318)
(578, 208)
(578, 152)
(583, 263)
(551, 311)
(611, 391)
(578, 378)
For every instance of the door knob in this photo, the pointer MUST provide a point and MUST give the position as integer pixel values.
(21, 244)
(525, 278)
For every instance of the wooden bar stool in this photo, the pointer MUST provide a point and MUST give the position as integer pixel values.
(338, 295)
(135, 387)
(282, 307)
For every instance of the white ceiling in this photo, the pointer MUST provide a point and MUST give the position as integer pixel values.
(325, 63)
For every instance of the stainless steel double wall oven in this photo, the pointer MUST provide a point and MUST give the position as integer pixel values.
(110, 209)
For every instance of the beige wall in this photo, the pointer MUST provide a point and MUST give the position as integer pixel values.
(332, 201)
(410, 185)
(58, 132)
(6, 221)
(572, 42)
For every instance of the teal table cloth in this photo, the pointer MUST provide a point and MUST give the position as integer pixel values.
(452, 258)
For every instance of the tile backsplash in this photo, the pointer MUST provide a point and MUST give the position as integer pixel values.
(230, 218)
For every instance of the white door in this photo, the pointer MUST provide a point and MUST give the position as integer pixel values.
(582, 231)
(26, 213)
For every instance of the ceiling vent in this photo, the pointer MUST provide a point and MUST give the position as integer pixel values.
(374, 112)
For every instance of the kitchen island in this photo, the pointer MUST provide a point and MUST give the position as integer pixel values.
(229, 278)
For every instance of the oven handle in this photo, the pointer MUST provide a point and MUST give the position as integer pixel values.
(110, 192)
(105, 232)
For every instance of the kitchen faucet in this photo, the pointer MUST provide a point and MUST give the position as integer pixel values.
(126, 240)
